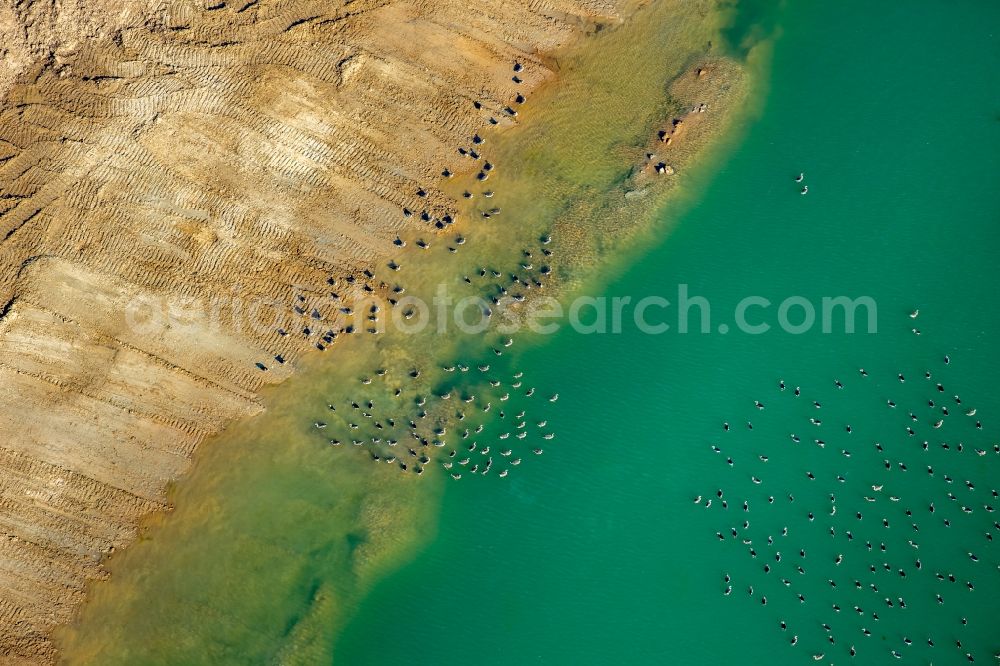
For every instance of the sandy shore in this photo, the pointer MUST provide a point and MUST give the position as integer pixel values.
(179, 161)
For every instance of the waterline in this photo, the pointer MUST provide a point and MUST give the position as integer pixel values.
(287, 520)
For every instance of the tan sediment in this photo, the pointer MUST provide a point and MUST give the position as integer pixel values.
(192, 153)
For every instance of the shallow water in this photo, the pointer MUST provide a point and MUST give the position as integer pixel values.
(600, 555)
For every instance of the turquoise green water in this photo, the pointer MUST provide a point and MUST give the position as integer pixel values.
(600, 555)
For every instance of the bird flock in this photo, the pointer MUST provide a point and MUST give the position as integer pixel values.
(320, 316)
(471, 416)
(473, 422)
(866, 518)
